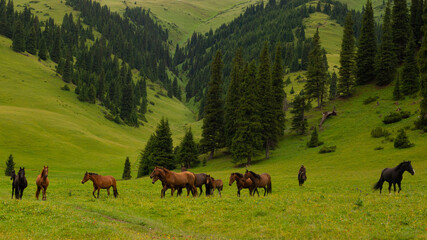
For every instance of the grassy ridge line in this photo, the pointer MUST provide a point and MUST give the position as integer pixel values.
(44, 9)
(41, 123)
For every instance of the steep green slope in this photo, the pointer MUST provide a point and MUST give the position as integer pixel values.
(41, 123)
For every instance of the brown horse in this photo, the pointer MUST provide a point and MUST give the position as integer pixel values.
(101, 182)
(238, 177)
(301, 175)
(263, 181)
(214, 184)
(165, 185)
(174, 180)
(42, 182)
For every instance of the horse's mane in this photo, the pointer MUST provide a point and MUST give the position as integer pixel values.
(91, 173)
(255, 175)
(402, 163)
(238, 174)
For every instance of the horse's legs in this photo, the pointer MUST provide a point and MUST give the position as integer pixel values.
(219, 191)
(381, 186)
(38, 192)
(394, 187)
(173, 190)
(17, 194)
(21, 194)
(44, 193)
(389, 187)
(98, 191)
(13, 190)
(398, 184)
(108, 191)
(201, 190)
(265, 191)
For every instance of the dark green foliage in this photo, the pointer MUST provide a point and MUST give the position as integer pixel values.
(379, 148)
(396, 117)
(187, 151)
(65, 88)
(400, 28)
(146, 164)
(288, 81)
(379, 132)
(32, 42)
(299, 121)
(68, 70)
(410, 83)
(315, 87)
(402, 141)
(385, 64)
(421, 122)
(43, 50)
(370, 99)
(128, 105)
(416, 20)
(365, 73)
(314, 140)
(175, 88)
(10, 166)
(278, 92)
(347, 59)
(247, 141)
(127, 171)
(18, 44)
(292, 90)
(397, 95)
(326, 149)
(213, 121)
(333, 86)
(55, 53)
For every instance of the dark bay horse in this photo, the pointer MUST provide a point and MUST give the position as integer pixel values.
(214, 184)
(394, 175)
(20, 183)
(174, 180)
(201, 179)
(241, 183)
(101, 182)
(262, 181)
(42, 182)
(13, 177)
(301, 175)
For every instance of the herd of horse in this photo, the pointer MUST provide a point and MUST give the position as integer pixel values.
(191, 181)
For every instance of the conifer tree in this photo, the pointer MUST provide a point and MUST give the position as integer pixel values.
(43, 50)
(397, 95)
(213, 121)
(10, 166)
(292, 90)
(163, 148)
(299, 121)
(187, 151)
(232, 98)
(247, 141)
(126, 171)
(316, 72)
(146, 164)
(278, 90)
(127, 104)
(175, 87)
(18, 44)
(32, 42)
(91, 93)
(67, 73)
(385, 64)
(55, 54)
(421, 123)
(402, 141)
(314, 139)
(410, 83)
(333, 86)
(347, 55)
(400, 26)
(416, 20)
(143, 106)
(365, 60)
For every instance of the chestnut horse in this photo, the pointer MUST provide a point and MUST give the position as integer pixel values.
(42, 182)
(263, 181)
(301, 175)
(174, 180)
(101, 182)
(214, 184)
(238, 177)
(164, 184)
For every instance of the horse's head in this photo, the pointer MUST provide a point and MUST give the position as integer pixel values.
(45, 171)
(86, 177)
(21, 173)
(155, 175)
(12, 175)
(209, 180)
(247, 175)
(409, 168)
(232, 179)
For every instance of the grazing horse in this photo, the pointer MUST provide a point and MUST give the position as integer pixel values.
(263, 181)
(174, 180)
(164, 184)
(301, 175)
(238, 177)
(214, 184)
(13, 177)
(42, 182)
(101, 182)
(394, 175)
(20, 183)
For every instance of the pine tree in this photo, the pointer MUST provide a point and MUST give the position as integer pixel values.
(402, 141)
(67, 73)
(397, 95)
(385, 64)
(347, 55)
(32, 42)
(365, 60)
(187, 153)
(400, 26)
(410, 83)
(162, 154)
(278, 90)
(416, 20)
(233, 97)
(146, 164)
(126, 171)
(421, 123)
(247, 141)
(91, 93)
(314, 140)
(175, 87)
(127, 104)
(10, 166)
(333, 86)
(213, 121)
(43, 49)
(299, 121)
(18, 44)
(292, 90)
(143, 107)
(316, 72)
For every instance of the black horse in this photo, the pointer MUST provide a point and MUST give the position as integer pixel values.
(12, 177)
(20, 183)
(201, 179)
(393, 176)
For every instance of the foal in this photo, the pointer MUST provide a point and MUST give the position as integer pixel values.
(214, 184)
(42, 182)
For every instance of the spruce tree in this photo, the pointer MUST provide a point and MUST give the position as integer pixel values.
(67, 73)
(232, 98)
(143, 106)
(247, 141)
(146, 164)
(18, 44)
(10, 166)
(163, 149)
(397, 95)
(43, 50)
(365, 60)
(416, 20)
(421, 122)
(187, 151)
(314, 139)
(385, 64)
(213, 121)
(299, 121)
(32, 42)
(127, 104)
(347, 55)
(402, 141)
(333, 86)
(126, 171)
(316, 72)
(175, 87)
(278, 90)
(55, 54)
(292, 90)
(410, 83)
(400, 26)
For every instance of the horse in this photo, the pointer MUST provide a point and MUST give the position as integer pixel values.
(214, 184)
(201, 179)
(42, 182)
(174, 180)
(301, 175)
(165, 185)
(101, 182)
(20, 183)
(12, 177)
(263, 180)
(238, 177)
(394, 175)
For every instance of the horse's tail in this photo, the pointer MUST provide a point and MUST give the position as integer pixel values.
(269, 187)
(115, 189)
(379, 183)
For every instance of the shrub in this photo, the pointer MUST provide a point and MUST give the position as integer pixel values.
(314, 140)
(326, 149)
(379, 148)
(151, 102)
(109, 116)
(405, 114)
(379, 132)
(396, 117)
(65, 88)
(370, 99)
(402, 141)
